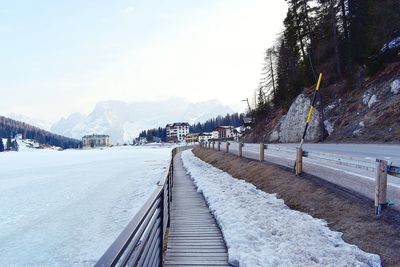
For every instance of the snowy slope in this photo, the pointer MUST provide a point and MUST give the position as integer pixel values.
(260, 230)
(42, 124)
(123, 121)
(66, 208)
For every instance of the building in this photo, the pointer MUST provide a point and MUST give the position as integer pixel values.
(96, 140)
(204, 137)
(192, 138)
(226, 133)
(177, 131)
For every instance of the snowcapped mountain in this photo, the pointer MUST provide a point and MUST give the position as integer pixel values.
(123, 121)
(45, 125)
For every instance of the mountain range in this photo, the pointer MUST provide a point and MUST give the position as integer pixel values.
(124, 120)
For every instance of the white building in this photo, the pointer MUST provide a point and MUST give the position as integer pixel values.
(177, 131)
(96, 140)
(226, 132)
(204, 137)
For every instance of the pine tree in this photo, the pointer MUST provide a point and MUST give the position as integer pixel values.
(1, 145)
(8, 144)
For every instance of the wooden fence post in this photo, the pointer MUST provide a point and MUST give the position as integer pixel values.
(261, 151)
(213, 145)
(299, 161)
(209, 144)
(381, 185)
(219, 146)
(227, 147)
(240, 149)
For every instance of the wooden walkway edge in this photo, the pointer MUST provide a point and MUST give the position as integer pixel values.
(194, 237)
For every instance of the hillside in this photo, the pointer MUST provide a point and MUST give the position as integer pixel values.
(11, 128)
(356, 46)
(368, 114)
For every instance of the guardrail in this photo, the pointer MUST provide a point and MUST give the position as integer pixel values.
(142, 241)
(380, 167)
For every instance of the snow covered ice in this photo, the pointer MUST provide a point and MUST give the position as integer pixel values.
(66, 208)
(260, 230)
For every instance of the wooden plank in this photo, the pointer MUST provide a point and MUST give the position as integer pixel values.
(194, 238)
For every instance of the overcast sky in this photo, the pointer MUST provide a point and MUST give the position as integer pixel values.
(59, 57)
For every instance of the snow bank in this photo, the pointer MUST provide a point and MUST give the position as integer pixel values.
(260, 230)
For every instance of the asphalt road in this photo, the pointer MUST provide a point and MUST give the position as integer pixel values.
(359, 180)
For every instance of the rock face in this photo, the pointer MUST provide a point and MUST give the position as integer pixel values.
(291, 126)
(395, 86)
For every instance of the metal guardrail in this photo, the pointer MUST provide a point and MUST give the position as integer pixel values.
(357, 162)
(142, 241)
(380, 167)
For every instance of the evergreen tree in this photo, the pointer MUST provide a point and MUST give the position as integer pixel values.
(8, 144)
(1, 145)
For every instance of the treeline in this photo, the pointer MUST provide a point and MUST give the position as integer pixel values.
(344, 39)
(207, 126)
(10, 128)
(156, 132)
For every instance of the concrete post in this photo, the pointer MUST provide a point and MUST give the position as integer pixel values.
(381, 185)
(299, 161)
(262, 152)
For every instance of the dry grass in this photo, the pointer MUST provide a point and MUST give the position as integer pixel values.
(344, 211)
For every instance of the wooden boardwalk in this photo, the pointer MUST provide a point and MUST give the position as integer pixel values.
(194, 237)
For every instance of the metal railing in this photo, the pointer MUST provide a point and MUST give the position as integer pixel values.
(380, 167)
(142, 241)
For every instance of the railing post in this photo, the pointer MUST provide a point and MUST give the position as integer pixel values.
(381, 185)
(240, 149)
(219, 146)
(261, 151)
(227, 147)
(299, 161)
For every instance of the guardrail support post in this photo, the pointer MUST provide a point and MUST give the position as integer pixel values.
(219, 146)
(299, 161)
(227, 147)
(261, 151)
(240, 149)
(381, 186)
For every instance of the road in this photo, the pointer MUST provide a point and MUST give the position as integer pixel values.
(359, 180)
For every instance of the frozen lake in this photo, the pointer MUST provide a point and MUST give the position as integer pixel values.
(66, 208)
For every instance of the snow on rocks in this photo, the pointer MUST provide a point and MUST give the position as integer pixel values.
(366, 97)
(395, 86)
(328, 126)
(372, 101)
(260, 230)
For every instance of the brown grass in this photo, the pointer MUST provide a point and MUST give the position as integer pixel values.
(344, 211)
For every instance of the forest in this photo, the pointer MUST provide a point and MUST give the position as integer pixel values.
(10, 128)
(346, 40)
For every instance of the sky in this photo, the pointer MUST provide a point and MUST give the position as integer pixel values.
(60, 57)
